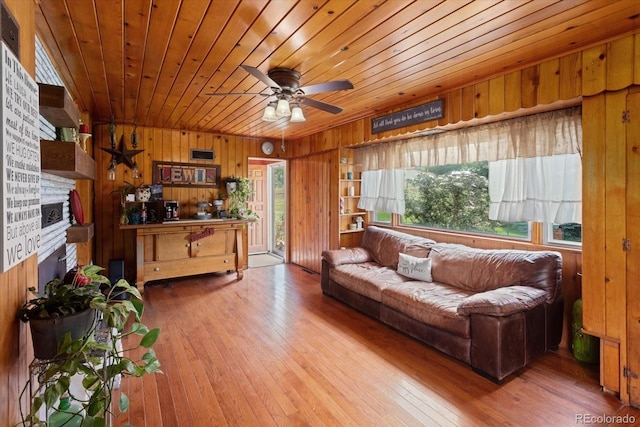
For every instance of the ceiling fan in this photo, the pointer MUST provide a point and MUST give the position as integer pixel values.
(285, 85)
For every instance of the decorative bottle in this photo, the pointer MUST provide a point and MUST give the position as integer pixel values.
(143, 215)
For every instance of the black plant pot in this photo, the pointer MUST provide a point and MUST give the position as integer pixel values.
(46, 334)
(117, 294)
(120, 294)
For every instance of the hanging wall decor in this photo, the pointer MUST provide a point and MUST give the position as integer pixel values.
(122, 154)
(186, 174)
(20, 218)
(422, 113)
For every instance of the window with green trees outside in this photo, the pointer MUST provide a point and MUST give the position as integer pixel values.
(455, 197)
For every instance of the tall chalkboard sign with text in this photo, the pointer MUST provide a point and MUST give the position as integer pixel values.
(20, 175)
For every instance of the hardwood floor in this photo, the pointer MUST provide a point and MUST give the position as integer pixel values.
(272, 350)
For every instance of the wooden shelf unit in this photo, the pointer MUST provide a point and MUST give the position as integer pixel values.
(349, 176)
(57, 106)
(66, 159)
(80, 233)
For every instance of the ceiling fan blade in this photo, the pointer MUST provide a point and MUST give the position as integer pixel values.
(261, 76)
(238, 94)
(320, 105)
(326, 87)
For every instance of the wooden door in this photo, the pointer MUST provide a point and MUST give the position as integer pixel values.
(258, 231)
(633, 254)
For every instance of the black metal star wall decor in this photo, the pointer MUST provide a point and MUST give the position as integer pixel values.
(123, 155)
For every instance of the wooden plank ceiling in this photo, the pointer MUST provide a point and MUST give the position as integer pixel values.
(153, 62)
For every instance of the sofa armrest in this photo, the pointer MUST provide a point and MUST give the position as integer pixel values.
(346, 256)
(502, 301)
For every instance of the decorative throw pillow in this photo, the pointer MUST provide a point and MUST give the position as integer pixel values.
(414, 268)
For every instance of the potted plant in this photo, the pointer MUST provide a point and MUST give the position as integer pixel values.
(143, 193)
(65, 306)
(133, 215)
(232, 183)
(238, 199)
(124, 191)
(94, 355)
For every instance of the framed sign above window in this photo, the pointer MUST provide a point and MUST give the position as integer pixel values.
(186, 174)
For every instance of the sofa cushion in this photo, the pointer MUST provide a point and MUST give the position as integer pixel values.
(346, 256)
(435, 304)
(482, 270)
(368, 278)
(502, 301)
(414, 268)
(384, 245)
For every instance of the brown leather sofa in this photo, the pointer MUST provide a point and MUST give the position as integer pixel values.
(495, 310)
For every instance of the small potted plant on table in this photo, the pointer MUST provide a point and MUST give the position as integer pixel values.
(232, 184)
(239, 198)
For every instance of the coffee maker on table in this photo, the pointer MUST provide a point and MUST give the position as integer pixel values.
(219, 211)
(171, 210)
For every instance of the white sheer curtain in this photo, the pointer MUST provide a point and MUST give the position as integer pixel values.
(543, 189)
(382, 190)
(542, 135)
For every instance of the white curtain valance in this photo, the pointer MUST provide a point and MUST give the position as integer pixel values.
(539, 135)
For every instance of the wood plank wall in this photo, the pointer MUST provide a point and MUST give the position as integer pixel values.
(232, 154)
(611, 72)
(309, 219)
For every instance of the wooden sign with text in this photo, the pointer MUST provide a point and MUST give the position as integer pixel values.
(186, 174)
(422, 113)
(20, 201)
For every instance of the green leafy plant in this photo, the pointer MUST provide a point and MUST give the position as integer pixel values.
(239, 197)
(62, 299)
(96, 356)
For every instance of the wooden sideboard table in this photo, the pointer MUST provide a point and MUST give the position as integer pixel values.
(184, 248)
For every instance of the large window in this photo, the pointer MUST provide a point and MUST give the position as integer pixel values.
(455, 197)
(494, 178)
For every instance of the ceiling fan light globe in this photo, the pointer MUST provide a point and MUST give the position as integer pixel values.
(282, 109)
(297, 115)
(269, 114)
